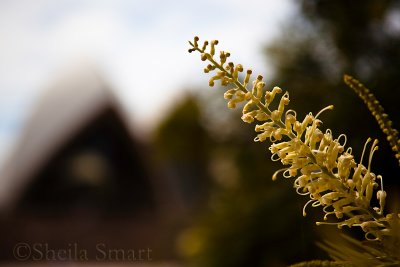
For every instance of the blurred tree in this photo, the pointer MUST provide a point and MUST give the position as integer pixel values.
(329, 39)
(183, 147)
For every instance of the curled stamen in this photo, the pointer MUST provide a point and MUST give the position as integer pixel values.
(305, 206)
(344, 141)
(380, 178)
(291, 112)
(275, 175)
(371, 236)
(365, 147)
(327, 223)
(304, 193)
(286, 174)
(322, 110)
(204, 46)
(372, 151)
(269, 96)
(316, 204)
(213, 44)
(247, 78)
(196, 39)
(275, 159)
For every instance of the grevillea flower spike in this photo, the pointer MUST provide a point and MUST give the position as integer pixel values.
(321, 165)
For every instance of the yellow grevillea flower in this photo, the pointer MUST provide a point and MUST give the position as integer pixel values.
(322, 167)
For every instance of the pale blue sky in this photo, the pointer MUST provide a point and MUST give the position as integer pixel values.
(139, 46)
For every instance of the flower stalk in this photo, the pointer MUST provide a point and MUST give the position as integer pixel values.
(322, 167)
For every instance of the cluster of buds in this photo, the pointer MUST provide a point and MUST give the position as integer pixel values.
(378, 112)
(322, 167)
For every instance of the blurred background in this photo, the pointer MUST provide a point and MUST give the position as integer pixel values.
(109, 134)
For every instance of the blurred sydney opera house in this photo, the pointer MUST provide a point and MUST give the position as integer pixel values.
(79, 177)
